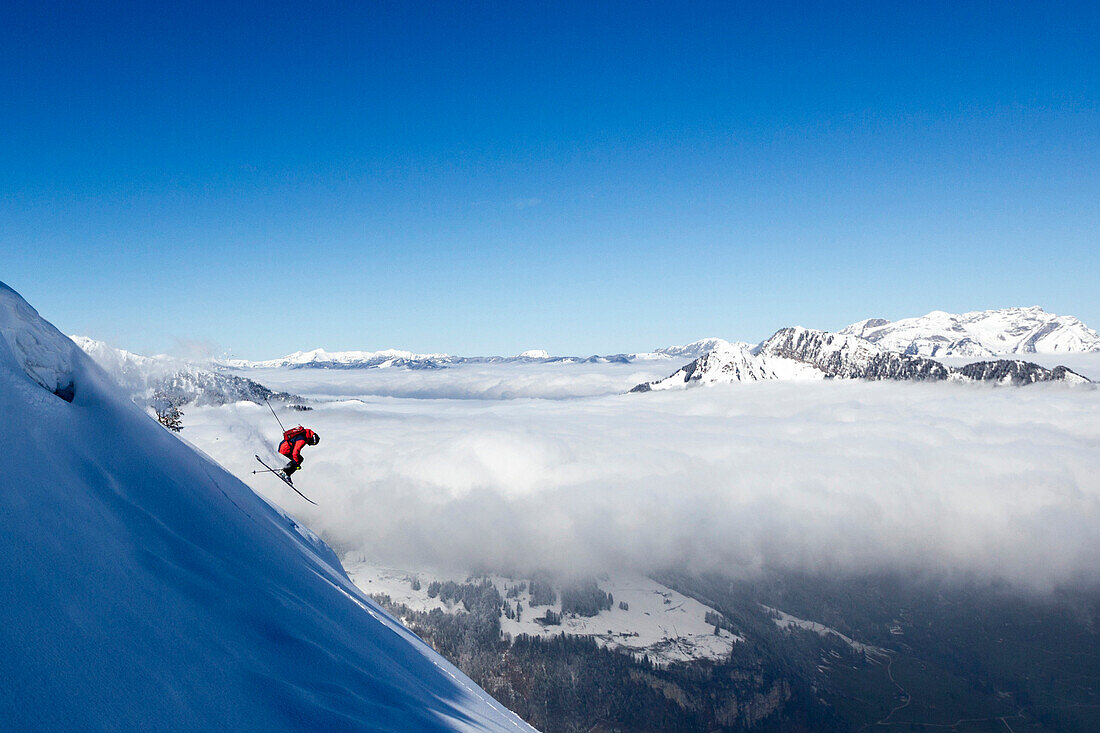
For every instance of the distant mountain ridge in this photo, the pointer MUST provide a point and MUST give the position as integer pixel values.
(870, 349)
(980, 333)
(401, 359)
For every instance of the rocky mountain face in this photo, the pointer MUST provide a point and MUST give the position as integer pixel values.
(980, 333)
(801, 353)
(848, 357)
(1014, 371)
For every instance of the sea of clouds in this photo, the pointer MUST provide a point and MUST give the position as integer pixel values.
(969, 481)
(501, 381)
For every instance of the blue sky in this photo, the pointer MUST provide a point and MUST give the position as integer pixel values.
(491, 177)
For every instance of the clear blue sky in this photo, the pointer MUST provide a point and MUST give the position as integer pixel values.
(582, 177)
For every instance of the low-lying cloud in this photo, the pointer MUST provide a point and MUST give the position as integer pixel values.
(501, 381)
(832, 477)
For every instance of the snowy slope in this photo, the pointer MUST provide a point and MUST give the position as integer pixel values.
(785, 621)
(145, 588)
(980, 333)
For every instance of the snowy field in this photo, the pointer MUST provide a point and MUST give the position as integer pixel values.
(831, 476)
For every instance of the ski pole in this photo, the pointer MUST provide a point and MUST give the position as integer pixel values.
(267, 470)
(273, 413)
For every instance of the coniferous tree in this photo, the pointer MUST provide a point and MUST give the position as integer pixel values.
(167, 410)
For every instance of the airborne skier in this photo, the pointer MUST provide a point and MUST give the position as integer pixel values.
(293, 441)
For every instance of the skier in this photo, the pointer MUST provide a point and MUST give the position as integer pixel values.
(293, 441)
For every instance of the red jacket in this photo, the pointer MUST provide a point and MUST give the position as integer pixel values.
(293, 441)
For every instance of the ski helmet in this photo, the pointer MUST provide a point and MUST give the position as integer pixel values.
(316, 439)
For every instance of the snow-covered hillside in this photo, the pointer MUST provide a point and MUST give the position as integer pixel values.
(786, 621)
(980, 333)
(644, 618)
(145, 588)
(802, 353)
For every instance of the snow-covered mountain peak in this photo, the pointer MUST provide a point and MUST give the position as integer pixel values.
(1017, 330)
(534, 354)
(823, 349)
(732, 362)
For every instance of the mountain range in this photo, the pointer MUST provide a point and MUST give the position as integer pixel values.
(979, 334)
(802, 353)
(870, 349)
(397, 358)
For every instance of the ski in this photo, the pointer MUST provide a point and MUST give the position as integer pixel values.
(284, 479)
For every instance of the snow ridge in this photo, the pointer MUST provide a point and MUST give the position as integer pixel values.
(42, 353)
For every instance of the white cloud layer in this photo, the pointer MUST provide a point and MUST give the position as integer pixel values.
(502, 381)
(825, 477)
